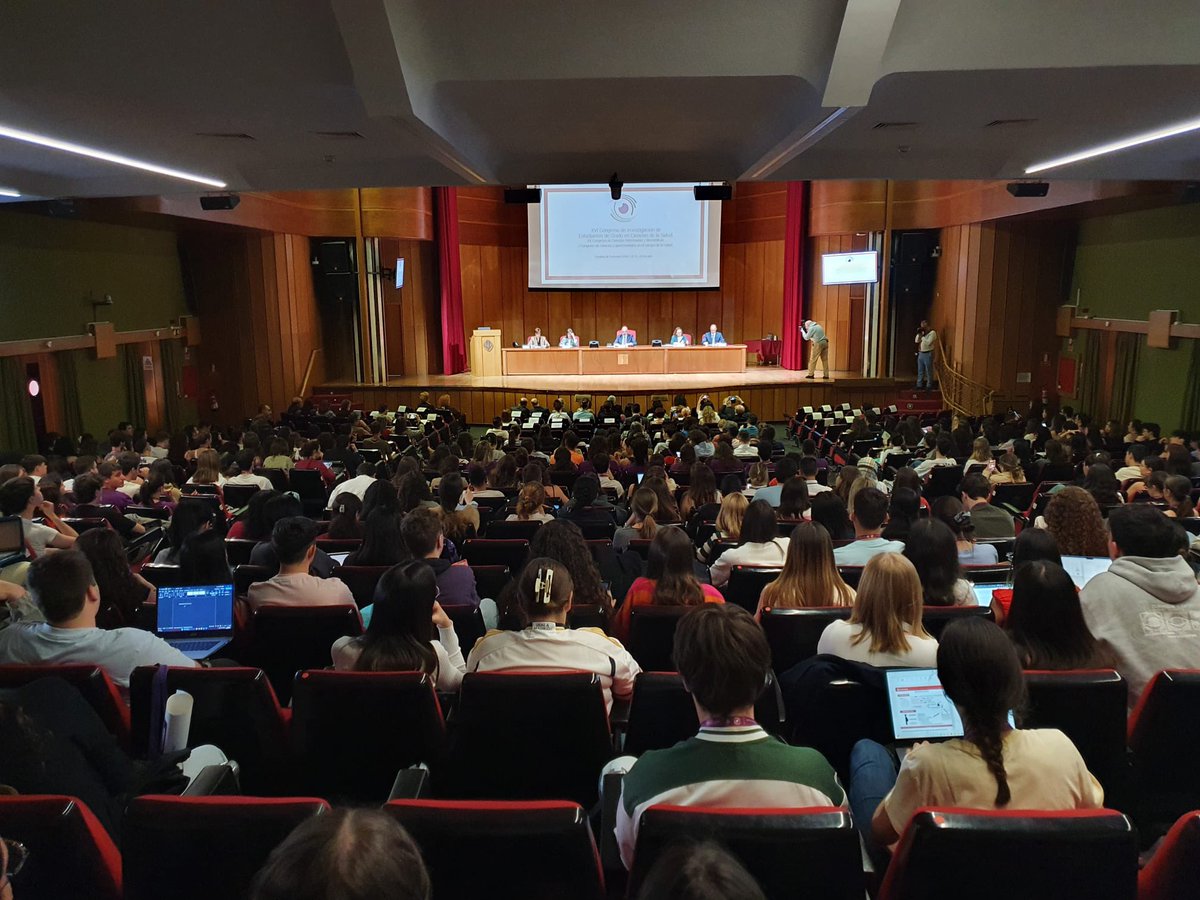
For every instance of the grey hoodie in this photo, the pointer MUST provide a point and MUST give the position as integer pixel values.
(1147, 613)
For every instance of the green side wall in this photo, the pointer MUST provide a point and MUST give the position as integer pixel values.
(48, 269)
(1129, 264)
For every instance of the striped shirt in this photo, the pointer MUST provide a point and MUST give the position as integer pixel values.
(725, 767)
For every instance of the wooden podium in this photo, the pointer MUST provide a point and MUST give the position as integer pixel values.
(485, 352)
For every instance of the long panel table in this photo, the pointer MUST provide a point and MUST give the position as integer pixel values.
(625, 360)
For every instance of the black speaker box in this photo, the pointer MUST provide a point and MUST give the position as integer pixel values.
(523, 195)
(713, 192)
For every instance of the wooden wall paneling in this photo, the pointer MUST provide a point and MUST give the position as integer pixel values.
(402, 213)
(985, 299)
(1001, 348)
(840, 207)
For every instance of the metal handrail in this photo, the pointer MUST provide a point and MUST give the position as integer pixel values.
(961, 394)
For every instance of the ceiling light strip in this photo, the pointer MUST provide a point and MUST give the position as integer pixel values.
(9, 192)
(1124, 144)
(41, 140)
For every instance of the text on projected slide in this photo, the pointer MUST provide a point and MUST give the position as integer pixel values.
(653, 236)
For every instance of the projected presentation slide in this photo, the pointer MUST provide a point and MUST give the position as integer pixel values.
(653, 236)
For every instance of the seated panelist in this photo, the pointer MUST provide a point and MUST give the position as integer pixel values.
(625, 338)
(679, 339)
(569, 340)
(713, 338)
(537, 341)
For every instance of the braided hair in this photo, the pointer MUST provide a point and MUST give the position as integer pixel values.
(981, 674)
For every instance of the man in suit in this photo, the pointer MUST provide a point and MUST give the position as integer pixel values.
(713, 338)
(569, 340)
(537, 341)
(625, 338)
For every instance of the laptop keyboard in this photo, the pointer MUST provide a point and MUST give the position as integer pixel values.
(193, 646)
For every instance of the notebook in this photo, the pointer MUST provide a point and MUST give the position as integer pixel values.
(197, 620)
(12, 541)
(920, 709)
(1083, 569)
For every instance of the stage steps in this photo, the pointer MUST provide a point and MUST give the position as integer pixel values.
(917, 402)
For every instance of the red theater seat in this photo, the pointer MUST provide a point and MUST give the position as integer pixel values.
(1076, 855)
(1174, 872)
(203, 848)
(476, 848)
(93, 684)
(791, 852)
(286, 639)
(1164, 731)
(71, 856)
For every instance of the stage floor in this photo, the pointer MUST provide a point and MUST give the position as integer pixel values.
(755, 376)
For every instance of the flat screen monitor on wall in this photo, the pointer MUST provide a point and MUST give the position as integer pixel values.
(653, 236)
(850, 268)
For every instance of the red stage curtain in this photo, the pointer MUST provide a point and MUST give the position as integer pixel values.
(454, 349)
(794, 299)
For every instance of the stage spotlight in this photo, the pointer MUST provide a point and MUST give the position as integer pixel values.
(614, 186)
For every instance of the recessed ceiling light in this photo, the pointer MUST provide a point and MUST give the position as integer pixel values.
(41, 140)
(9, 192)
(1136, 140)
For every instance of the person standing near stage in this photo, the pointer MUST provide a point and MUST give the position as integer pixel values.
(537, 341)
(815, 334)
(713, 338)
(925, 340)
(625, 338)
(569, 340)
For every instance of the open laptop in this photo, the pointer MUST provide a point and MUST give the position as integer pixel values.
(197, 620)
(339, 558)
(983, 592)
(920, 709)
(12, 541)
(1083, 569)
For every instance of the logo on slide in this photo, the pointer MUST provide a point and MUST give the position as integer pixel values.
(623, 209)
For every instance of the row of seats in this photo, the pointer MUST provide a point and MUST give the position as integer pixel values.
(203, 848)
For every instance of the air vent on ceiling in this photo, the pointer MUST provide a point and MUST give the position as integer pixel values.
(226, 135)
(998, 123)
(894, 125)
(341, 135)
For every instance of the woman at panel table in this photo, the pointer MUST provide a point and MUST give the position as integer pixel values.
(537, 341)
(568, 340)
(679, 339)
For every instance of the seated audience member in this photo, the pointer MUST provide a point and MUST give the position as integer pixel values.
(1045, 621)
(203, 560)
(601, 465)
(1008, 470)
(1138, 608)
(760, 544)
(286, 506)
(530, 506)
(279, 455)
(88, 505)
(422, 537)
(586, 503)
(728, 525)
(868, 517)
(111, 481)
(208, 469)
(155, 493)
(904, 510)
(723, 658)
(293, 540)
(995, 767)
(699, 871)
(701, 492)
(382, 544)
(932, 550)
(830, 510)
(809, 577)
(350, 854)
(640, 525)
(65, 590)
(757, 479)
(1032, 544)
(669, 580)
(400, 636)
(1177, 494)
(943, 455)
(808, 470)
(884, 628)
(949, 510)
(545, 593)
(345, 523)
(1073, 518)
(1132, 470)
(794, 501)
(363, 478)
(786, 468)
(252, 525)
(312, 458)
(21, 497)
(190, 517)
(989, 521)
(122, 593)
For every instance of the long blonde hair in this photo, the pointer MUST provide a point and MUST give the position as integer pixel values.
(810, 576)
(208, 467)
(733, 511)
(531, 500)
(889, 597)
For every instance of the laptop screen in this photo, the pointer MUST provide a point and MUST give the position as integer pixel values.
(1083, 569)
(983, 592)
(339, 558)
(198, 608)
(919, 707)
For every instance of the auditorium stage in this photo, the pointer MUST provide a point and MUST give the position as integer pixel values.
(770, 392)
